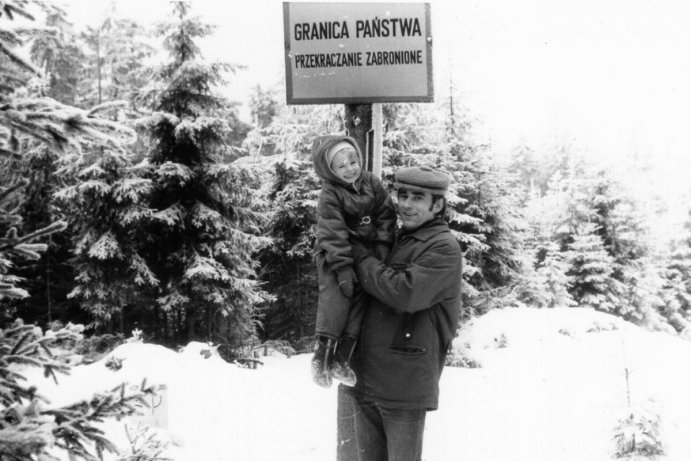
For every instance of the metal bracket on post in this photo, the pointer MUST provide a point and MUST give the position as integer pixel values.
(377, 139)
(358, 122)
(369, 140)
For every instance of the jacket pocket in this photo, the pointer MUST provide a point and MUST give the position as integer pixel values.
(405, 341)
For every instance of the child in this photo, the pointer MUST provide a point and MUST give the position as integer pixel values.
(353, 204)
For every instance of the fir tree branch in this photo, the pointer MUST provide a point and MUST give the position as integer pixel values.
(18, 60)
(14, 242)
(16, 8)
(9, 153)
(6, 193)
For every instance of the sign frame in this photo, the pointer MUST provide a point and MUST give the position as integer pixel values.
(291, 98)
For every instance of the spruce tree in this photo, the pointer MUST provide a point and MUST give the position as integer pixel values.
(591, 270)
(58, 55)
(626, 237)
(14, 246)
(621, 225)
(291, 192)
(581, 198)
(676, 289)
(485, 208)
(553, 279)
(287, 265)
(104, 202)
(263, 106)
(31, 123)
(100, 193)
(545, 283)
(204, 229)
(533, 169)
(50, 278)
(29, 428)
(25, 115)
(117, 50)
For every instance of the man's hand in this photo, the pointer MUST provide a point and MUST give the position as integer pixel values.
(360, 251)
(346, 281)
(381, 251)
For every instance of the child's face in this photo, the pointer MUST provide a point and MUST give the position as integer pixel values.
(346, 165)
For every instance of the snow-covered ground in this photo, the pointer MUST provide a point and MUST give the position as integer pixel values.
(551, 386)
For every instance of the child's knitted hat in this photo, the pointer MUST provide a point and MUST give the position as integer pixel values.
(336, 148)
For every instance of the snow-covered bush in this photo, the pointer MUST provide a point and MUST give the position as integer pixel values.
(457, 358)
(94, 348)
(29, 428)
(637, 436)
(144, 444)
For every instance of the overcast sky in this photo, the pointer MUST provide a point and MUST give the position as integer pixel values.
(611, 74)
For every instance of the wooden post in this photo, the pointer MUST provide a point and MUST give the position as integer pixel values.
(363, 122)
(364, 125)
(358, 124)
(346, 449)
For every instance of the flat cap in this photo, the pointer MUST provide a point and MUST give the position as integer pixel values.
(423, 178)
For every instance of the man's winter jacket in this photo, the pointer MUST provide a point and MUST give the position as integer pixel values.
(411, 318)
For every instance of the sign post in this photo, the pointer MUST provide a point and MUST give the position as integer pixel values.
(360, 55)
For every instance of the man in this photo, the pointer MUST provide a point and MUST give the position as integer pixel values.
(410, 320)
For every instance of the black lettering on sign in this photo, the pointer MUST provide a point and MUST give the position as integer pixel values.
(319, 60)
(328, 30)
(393, 58)
(391, 27)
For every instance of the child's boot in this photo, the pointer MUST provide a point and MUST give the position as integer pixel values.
(341, 367)
(323, 361)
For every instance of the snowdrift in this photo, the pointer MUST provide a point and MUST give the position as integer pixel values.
(550, 385)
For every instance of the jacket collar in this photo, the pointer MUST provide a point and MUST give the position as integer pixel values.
(427, 230)
(354, 186)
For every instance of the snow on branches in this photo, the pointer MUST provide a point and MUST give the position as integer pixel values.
(29, 427)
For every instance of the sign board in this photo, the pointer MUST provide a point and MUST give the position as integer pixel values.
(357, 52)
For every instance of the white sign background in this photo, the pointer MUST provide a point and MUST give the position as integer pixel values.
(368, 82)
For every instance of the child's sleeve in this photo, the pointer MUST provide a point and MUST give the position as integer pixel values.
(332, 232)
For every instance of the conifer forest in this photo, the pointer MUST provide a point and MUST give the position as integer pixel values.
(134, 197)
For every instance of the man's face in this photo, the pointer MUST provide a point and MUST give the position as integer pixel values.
(346, 165)
(415, 208)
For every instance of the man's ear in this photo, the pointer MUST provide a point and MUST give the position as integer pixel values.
(438, 205)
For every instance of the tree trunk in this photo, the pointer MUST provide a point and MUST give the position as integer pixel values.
(190, 325)
(49, 304)
(98, 66)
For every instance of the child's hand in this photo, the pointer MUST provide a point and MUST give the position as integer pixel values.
(346, 281)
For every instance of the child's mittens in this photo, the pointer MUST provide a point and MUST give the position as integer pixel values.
(346, 281)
